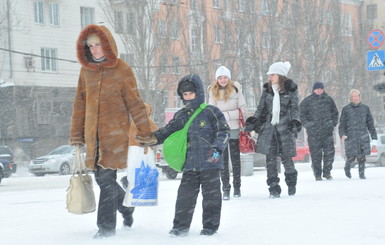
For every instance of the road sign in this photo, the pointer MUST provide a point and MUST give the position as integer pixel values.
(376, 38)
(376, 60)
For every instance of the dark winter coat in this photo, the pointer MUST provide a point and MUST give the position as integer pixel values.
(356, 122)
(207, 131)
(105, 98)
(288, 119)
(318, 114)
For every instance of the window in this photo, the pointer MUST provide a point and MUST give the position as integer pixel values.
(241, 6)
(216, 4)
(87, 16)
(175, 30)
(39, 12)
(218, 34)
(48, 59)
(371, 12)
(162, 29)
(118, 18)
(194, 4)
(54, 14)
(195, 44)
(265, 40)
(175, 64)
(131, 22)
(163, 64)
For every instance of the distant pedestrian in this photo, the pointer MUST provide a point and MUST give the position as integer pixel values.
(319, 115)
(356, 123)
(226, 95)
(277, 123)
(208, 136)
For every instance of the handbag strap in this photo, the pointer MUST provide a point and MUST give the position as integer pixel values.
(241, 119)
(77, 163)
(200, 108)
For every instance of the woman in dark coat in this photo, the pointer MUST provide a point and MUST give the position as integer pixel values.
(277, 123)
(356, 122)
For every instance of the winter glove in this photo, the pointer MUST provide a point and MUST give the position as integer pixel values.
(250, 124)
(146, 141)
(295, 125)
(215, 153)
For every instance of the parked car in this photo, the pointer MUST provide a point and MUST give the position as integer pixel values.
(1, 171)
(58, 161)
(303, 155)
(7, 158)
(377, 155)
(303, 152)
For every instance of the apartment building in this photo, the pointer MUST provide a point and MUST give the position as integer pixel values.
(163, 40)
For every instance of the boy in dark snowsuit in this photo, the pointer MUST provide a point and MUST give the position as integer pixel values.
(208, 136)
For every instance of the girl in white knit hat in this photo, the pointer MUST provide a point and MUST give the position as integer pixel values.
(226, 95)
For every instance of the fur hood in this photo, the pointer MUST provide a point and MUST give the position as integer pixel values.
(289, 85)
(108, 44)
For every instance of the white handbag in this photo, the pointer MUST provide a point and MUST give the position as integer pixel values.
(80, 193)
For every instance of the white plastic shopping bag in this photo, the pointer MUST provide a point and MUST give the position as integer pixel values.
(142, 176)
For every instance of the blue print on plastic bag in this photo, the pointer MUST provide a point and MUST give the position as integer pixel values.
(146, 182)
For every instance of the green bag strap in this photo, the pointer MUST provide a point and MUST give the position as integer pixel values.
(200, 108)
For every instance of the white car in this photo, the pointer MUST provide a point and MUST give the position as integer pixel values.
(58, 161)
(377, 154)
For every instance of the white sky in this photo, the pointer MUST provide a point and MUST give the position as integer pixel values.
(341, 211)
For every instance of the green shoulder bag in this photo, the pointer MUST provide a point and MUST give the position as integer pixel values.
(175, 146)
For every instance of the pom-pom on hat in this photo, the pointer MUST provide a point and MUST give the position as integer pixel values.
(318, 85)
(280, 68)
(93, 38)
(222, 71)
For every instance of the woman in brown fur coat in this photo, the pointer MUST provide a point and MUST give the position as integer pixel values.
(106, 97)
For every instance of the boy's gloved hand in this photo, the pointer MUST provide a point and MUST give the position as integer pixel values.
(146, 141)
(215, 153)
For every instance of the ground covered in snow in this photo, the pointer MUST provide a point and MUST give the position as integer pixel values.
(341, 211)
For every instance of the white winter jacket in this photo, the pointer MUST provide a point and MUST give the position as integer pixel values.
(230, 107)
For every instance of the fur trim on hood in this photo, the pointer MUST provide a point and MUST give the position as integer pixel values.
(108, 44)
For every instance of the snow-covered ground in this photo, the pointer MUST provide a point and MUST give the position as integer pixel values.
(341, 211)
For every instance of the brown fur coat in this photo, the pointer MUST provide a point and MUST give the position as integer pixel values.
(105, 99)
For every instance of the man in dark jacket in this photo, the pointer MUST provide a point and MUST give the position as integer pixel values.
(319, 115)
(356, 122)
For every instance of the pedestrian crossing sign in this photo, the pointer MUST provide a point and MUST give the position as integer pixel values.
(376, 60)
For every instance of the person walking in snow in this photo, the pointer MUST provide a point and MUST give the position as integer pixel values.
(319, 115)
(208, 136)
(226, 95)
(277, 123)
(106, 97)
(356, 123)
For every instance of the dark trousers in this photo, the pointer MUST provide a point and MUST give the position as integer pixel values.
(321, 147)
(110, 200)
(361, 159)
(192, 181)
(235, 163)
(271, 164)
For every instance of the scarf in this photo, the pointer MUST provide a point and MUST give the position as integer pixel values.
(276, 105)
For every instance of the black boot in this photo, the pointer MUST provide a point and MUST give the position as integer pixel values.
(361, 170)
(237, 192)
(226, 195)
(347, 172)
(291, 181)
(275, 190)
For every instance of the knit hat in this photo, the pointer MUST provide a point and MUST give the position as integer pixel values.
(280, 68)
(318, 85)
(186, 86)
(93, 38)
(222, 71)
